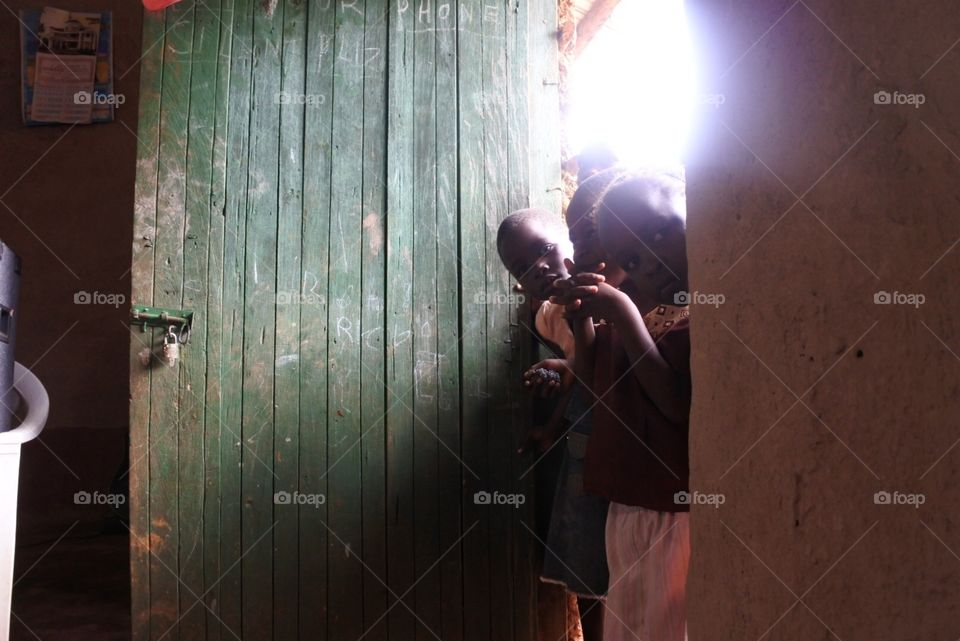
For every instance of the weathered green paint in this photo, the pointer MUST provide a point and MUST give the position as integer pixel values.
(376, 598)
(215, 435)
(338, 252)
(287, 368)
(142, 288)
(399, 325)
(166, 406)
(448, 335)
(228, 610)
(193, 428)
(472, 250)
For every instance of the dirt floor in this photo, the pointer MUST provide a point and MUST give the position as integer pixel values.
(71, 574)
(78, 590)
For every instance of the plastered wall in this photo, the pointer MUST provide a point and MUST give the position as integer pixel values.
(810, 195)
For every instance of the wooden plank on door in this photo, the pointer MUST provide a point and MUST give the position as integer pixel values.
(344, 510)
(289, 501)
(399, 380)
(542, 77)
(314, 451)
(214, 433)
(259, 325)
(232, 328)
(165, 526)
(449, 465)
(193, 378)
(523, 566)
(473, 249)
(426, 445)
(141, 276)
(373, 297)
(501, 444)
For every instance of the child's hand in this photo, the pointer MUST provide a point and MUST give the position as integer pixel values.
(548, 377)
(599, 301)
(586, 294)
(581, 284)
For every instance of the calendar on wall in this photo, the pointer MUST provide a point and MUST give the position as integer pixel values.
(66, 67)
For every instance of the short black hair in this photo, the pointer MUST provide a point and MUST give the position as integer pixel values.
(668, 183)
(590, 192)
(522, 217)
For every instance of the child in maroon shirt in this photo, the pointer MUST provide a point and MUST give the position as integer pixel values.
(637, 454)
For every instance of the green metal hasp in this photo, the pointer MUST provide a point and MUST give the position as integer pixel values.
(161, 317)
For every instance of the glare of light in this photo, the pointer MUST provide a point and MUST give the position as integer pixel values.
(633, 87)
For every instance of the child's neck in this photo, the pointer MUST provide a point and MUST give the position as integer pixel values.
(645, 305)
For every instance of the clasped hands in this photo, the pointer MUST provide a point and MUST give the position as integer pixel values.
(586, 294)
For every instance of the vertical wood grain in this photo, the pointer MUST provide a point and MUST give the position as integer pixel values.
(320, 182)
(258, 422)
(142, 287)
(165, 530)
(399, 381)
(345, 545)
(286, 455)
(374, 397)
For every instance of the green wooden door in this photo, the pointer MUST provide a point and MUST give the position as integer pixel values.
(320, 183)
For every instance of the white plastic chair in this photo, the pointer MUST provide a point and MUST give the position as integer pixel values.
(32, 393)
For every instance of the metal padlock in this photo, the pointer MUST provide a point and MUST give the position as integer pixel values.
(171, 347)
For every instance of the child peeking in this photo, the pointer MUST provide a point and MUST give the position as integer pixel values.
(637, 370)
(533, 245)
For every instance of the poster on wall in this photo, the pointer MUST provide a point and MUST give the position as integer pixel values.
(66, 67)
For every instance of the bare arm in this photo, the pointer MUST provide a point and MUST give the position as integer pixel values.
(584, 336)
(666, 388)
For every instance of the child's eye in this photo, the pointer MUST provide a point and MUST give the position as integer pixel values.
(546, 249)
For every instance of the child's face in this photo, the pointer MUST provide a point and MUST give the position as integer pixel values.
(646, 237)
(534, 254)
(587, 250)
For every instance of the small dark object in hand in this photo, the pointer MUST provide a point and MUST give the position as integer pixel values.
(547, 375)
